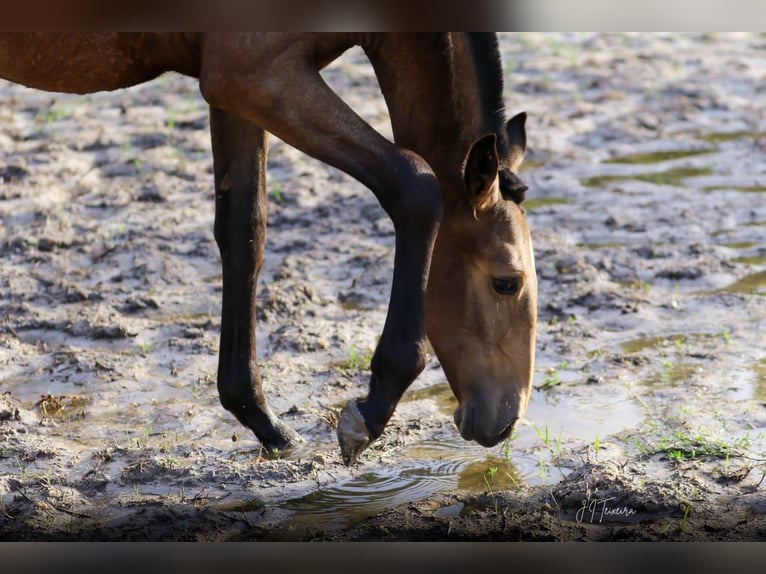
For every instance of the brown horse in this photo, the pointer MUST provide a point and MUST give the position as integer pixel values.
(464, 269)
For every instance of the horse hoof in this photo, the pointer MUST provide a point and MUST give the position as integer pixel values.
(353, 436)
(284, 439)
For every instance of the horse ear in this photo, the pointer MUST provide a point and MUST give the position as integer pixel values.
(480, 171)
(517, 140)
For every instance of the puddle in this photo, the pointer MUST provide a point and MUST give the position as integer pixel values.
(677, 340)
(533, 163)
(440, 393)
(675, 364)
(672, 177)
(657, 156)
(602, 245)
(339, 506)
(532, 204)
(672, 372)
(753, 284)
(721, 137)
(759, 370)
(740, 244)
(742, 188)
(448, 464)
(750, 260)
(99, 406)
(747, 382)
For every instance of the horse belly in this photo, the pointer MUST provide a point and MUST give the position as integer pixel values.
(77, 63)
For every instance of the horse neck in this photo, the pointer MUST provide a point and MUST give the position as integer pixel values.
(438, 93)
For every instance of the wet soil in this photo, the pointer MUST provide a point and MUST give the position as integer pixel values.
(647, 175)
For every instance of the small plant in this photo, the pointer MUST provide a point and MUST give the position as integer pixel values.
(666, 375)
(266, 372)
(358, 360)
(491, 473)
(512, 479)
(551, 444)
(683, 445)
(142, 440)
(506, 448)
(489, 476)
(543, 436)
(675, 455)
(276, 192)
(22, 468)
(551, 379)
(168, 462)
(541, 465)
(50, 115)
(596, 446)
(595, 354)
(687, 509)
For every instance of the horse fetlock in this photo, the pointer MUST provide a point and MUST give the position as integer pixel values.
(273, 434)
(353, 435)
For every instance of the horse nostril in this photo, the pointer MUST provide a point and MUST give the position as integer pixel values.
(465, 421)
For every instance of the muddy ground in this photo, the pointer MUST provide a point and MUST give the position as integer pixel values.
(647, 178)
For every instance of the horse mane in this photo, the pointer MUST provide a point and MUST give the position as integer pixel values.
(488, 67)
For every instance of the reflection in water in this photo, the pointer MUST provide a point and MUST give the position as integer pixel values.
(759, 369)
(452, 464)
(437, 466)
(440, 393)
(494, 473)
(670, 372)
(339, 506)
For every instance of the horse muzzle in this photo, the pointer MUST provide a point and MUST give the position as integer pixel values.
(487, 429)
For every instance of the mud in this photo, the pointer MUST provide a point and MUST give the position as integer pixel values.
(646, 172)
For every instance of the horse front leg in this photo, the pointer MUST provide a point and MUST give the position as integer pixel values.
(276, 84)
(239, 159)
(401, 352)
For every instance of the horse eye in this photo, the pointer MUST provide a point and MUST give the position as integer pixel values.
(506, 285)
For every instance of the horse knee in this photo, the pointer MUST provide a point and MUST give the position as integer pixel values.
(417, 199)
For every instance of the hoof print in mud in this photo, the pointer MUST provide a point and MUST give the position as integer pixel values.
(353, 436)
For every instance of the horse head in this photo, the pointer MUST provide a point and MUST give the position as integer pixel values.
(481, 301)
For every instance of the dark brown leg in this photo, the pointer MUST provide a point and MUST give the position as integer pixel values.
(311, 117)
(239, 158)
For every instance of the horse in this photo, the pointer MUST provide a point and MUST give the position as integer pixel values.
(464, 271)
